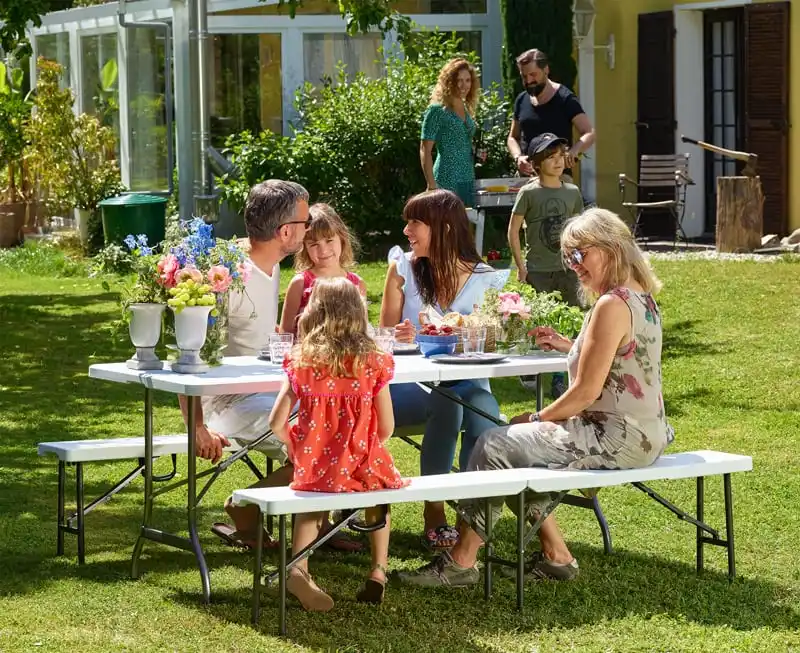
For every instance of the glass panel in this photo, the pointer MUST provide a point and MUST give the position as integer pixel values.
(246, 85)
(730, 138)
(55, 47)
(730, 108)
(100, 79)
(718, 168)
(146, 112)
(471, 41)
(730, 37)
(439, 6)
(716, 116)
(717, 140)
(323, 52)
(716, 72)
(716, 38)
(729, 66)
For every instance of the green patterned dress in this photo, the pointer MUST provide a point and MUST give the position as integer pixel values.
(453, 168)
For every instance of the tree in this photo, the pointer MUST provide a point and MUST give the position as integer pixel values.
(15, 16)
(542, 24)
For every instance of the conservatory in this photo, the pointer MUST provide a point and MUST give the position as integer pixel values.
(221, 66)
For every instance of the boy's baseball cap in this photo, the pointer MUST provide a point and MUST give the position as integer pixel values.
(544, 142)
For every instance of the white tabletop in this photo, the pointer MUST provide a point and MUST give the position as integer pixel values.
(245, 374)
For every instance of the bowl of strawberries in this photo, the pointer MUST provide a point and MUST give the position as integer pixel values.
(433, 340)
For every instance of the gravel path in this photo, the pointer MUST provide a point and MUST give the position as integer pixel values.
(713, 255)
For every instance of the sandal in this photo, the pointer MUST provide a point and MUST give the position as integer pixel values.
(441, 538)
(305, 590)
(373, 589)
(241, 539)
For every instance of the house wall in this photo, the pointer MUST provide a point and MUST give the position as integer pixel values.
(614, 91)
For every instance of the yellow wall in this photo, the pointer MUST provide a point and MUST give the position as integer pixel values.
(615, 97)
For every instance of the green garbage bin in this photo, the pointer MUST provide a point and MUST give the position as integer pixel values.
(134, 213)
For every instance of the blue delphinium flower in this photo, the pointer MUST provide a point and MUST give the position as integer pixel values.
(130, 241)
(141, 240)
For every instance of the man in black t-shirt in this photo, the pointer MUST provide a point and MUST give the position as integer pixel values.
(545, 106)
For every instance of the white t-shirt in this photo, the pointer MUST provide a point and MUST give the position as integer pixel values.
(252, 316)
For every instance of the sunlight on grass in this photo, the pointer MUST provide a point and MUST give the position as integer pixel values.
(730, 383)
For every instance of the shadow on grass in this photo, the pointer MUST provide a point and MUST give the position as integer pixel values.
(681, 339)
(609, 588)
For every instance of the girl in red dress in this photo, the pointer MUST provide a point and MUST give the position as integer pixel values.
(340, 378)
(327, 252)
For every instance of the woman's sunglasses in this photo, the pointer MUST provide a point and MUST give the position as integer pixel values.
(575, 257)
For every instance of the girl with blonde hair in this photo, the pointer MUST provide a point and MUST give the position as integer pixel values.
(449, 125)
(328, 252)
(611, 416)
(340, 377)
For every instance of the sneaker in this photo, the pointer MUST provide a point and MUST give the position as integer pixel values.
(442, 570)
(540, 568)
(528, 381)
(558, 387)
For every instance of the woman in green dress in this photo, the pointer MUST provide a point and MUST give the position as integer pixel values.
(449, 124)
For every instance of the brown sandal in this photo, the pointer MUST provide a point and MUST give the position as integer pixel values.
(311, 597)
(373, 590)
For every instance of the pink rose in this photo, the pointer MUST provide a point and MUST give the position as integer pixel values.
(244, 270)
(632, 386)
(219, 278)
(189, 272)
(511, 304)
(167, 267)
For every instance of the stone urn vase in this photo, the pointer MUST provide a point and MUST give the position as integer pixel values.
(191, 327)
(145, 331)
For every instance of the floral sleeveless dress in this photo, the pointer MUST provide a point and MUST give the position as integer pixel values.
(334, 446)
(624, 428)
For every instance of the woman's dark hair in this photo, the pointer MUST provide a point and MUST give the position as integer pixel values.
(451, 244)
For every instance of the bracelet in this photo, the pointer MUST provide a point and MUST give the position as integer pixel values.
(535, 417)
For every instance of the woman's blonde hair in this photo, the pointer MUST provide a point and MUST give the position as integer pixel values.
(447, 85)
(326, 223)
(606, 231)
(332, 331)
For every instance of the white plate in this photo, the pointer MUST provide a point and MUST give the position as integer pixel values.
(469, 359)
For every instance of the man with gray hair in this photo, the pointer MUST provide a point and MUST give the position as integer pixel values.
(276, 219)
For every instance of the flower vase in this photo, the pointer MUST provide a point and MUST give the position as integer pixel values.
(145, 331)
(191, 327)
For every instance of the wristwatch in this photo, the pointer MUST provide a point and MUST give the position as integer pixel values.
(535, 417)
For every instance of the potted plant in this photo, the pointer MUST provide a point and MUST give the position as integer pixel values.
(72, 155)
(15, 113)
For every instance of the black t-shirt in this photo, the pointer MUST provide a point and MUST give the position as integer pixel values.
(555, 116)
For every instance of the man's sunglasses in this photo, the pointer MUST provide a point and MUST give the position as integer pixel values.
(575, 257)
(307, 223)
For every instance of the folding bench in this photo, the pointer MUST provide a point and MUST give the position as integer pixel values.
(283, 501)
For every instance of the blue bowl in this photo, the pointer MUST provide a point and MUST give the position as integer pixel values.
(433, 345)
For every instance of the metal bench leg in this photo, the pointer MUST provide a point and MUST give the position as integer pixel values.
(521, 519)
(79, 510)
(257, 565)
(270, 524)
(700, 516)
(60, 510)
(601, 519)
(282, 575)
(488, 553)
(539, 392)
(726, 482)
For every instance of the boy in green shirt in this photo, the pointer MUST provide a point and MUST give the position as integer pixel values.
(544, 205)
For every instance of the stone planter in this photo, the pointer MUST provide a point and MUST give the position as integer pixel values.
(191, 327)
(12, 220)
(145, 331)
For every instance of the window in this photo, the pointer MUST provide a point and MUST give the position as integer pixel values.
(440, 6)
(471, 42)
(100, 79)
(55, 47)
(246, 85)
(323, 53)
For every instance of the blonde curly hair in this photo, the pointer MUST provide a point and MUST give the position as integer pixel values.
(332, 331)
(447, 85)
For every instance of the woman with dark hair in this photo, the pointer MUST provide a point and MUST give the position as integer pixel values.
(443, 270)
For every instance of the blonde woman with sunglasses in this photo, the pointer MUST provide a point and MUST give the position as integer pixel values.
(610, 417)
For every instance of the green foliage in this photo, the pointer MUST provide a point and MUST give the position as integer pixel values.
(358, 146)
(37, 259)
(542, 24)
(112, 259)
(15, 114)
(71, 156)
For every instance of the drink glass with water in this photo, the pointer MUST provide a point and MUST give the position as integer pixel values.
(473, 340)
(280, 346)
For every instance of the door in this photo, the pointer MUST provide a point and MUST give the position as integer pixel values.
(724, 96)
(766, 105)
(655, 122)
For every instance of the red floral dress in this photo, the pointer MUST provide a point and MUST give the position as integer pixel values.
(309, 279)
(334, 446)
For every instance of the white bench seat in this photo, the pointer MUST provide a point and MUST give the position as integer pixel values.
(85, 451)
(283, 501)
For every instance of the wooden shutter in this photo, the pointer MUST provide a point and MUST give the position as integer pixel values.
(766, 129)
(655, 121)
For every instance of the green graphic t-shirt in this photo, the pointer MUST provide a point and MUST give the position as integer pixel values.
(545, 211)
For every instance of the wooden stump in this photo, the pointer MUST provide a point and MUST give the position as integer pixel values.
(740, 205)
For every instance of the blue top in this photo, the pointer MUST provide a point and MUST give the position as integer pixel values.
(482, 278)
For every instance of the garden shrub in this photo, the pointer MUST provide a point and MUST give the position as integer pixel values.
(357, 142)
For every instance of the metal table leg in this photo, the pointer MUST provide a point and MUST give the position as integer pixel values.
(191, 501)
(148, 481)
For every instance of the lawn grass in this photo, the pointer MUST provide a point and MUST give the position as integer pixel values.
(730, 383)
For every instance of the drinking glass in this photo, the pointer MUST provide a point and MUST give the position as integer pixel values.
(384, 338)
(280, 346)
(473, 340)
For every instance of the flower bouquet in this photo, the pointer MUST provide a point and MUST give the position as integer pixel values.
(194, 277)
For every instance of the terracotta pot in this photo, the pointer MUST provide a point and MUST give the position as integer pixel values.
(12, 219)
